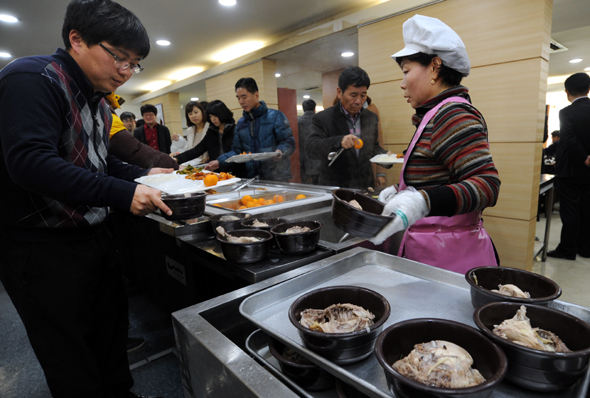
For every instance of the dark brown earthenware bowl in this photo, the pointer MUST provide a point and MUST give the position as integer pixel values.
(483, 279)
(246, 253)
(185, 206)
(228, 225)
(341, 348)
(307, 375)
(299, 243)
(398, 340)
(364, 223)
(534, 369)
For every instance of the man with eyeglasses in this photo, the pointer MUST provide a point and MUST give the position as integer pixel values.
(57, 258)
(152, 133)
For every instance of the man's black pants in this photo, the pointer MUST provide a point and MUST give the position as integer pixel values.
(71, 299)
(574, 211)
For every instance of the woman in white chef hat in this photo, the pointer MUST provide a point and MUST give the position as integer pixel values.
(448, 176)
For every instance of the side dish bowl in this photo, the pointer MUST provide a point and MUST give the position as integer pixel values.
(364, 223)
(298, 243)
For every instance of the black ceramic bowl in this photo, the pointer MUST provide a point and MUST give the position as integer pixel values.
(246, 253)
(300, 243)
(190, 205)
(228, 225)
(535, 369)
(364, 223)
(341, 348)
(398, 340)
(483, 279)
(272, 221)
(307, 375)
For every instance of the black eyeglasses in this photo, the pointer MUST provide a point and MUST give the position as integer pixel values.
(122, 63)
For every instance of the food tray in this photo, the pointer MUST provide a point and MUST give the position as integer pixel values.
(257, 345)
(392, 159)
(414, 290)
(251, 156)
(180, 184)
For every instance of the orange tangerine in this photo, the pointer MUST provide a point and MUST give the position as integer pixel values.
(216, 204)
(246, 199)
(210, 180)
(300, 196)
(251, 204)
(278, 199)
(359, 144)
(262, 201)
(242, 207)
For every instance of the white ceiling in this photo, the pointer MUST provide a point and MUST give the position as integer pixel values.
(198, 29)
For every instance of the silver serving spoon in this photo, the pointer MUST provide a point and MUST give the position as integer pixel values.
(332, 156)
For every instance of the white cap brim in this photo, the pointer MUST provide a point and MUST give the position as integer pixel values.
(411, 49)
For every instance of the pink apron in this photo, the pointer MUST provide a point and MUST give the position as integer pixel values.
(456, 243)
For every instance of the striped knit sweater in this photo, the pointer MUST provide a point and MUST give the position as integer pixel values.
(451, 163)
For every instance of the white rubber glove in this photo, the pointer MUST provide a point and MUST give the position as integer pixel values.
(387, 194)
(408, 206)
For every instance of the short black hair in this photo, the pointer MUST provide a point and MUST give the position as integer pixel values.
(248, 83)
(127, 115)
(218, 109)
(555, 133)
(148, 108)
(578, 84)
(308, 105)
(105, 20)
(353, 76)
(190, 106)
(448, 75)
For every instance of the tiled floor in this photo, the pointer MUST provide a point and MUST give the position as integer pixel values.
(155, 369)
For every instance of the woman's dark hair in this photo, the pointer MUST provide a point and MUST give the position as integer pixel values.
(105, 21)
(148, 108)
(353, 76)
(449, 76)
(248, 83)
(218, 109)
(190, 106)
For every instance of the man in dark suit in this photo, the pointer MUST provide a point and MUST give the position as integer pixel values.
(152, 133)
(572, 170)
(344, 126)
(310, 168)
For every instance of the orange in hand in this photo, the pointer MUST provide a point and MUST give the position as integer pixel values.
(210, 180)
(359, 144)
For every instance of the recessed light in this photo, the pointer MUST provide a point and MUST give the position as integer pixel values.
(587, 69)
(227, 3)
(575, 60)
(5, 55)
(277, 75)
(194, 98)
(156, 85)
(306, 96)
(163, 42)
(8, 18)
(347, 54)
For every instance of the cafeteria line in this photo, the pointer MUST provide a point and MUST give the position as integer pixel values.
(233, 256)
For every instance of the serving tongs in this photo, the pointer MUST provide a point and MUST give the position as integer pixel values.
(244, 185)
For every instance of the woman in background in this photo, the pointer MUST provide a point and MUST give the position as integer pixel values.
(196, 120)
(448, 176)
(219, 137)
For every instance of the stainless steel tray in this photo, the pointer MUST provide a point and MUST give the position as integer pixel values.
(257, 345)
(414, 290)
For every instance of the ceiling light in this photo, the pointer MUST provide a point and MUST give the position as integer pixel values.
(347, 54)
(575, 60)
(237, 50)
(194, 98)
(587, 69)
(156, 85)
(163, 42)
(306, 96)
(277, 75)
(8, 18)
(5, 55)
(227, 3)
(184, 73)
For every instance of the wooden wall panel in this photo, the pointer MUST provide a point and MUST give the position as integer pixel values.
(329, 86)
(222, 87)
(514, 240)
(494, 32)
(172, 112)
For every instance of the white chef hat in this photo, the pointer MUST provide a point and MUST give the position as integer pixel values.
(432, 36)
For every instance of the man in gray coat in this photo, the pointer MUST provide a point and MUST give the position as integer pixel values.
(310, 168)
(345, 125)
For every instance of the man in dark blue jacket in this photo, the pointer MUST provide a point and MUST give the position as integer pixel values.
(260, 130)
(57, 258)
